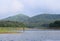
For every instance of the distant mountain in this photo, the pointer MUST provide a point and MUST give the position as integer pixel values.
(35, 21)
(18, 18)
(43, 19)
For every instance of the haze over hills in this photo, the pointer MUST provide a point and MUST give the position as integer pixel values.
(35, 21)
(43, 19)
(47, 17)
(18, 18)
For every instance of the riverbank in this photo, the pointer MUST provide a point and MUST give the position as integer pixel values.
(41, 35)
(17, 30)
(10, 30)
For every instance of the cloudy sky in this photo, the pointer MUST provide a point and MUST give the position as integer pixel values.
(28, 7)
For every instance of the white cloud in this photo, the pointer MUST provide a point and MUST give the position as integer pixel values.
(52, 5)
(16, 6)
(10, 6)
(29, 7)
(41, 6)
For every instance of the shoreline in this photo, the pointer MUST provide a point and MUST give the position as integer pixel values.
(28, 29)
(10, 32)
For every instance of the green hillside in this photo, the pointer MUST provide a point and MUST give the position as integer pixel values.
(43, 20)
(18, 18)
(37, 21)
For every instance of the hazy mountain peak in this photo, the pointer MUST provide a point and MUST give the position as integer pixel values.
(18, 17)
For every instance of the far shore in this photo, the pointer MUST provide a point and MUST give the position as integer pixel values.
(18, 30)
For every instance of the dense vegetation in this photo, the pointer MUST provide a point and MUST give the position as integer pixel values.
(38, 21)
(43, 20)
(55, 25)
(18, 18)
(11, 24)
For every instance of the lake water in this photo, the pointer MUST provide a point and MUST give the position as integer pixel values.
(35, 35)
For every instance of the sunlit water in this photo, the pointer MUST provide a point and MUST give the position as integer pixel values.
(38, 35)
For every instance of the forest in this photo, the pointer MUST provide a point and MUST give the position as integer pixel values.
(55, 25)
(11, 24)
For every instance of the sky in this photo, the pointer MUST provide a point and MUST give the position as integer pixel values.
(28, 7)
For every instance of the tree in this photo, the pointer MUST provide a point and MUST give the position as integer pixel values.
(55, 25)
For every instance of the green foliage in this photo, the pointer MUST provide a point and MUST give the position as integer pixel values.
(35, 21)
(43, 20)
(11, 24)
(56, 25)
(18, 18)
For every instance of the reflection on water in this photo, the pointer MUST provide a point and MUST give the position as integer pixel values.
(42, 35)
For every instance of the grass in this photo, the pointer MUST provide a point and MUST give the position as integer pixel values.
(10, 29)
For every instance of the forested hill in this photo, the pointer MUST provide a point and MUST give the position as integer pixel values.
(43, 19)
(35, 21)
(18, 18)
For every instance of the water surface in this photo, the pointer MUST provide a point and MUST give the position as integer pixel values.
(35, 35)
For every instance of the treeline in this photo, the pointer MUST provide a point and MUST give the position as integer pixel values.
(55, 25)
(11, 24)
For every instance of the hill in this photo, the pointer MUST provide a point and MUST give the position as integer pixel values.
(18, 18)
(43, 20)
(38, 21)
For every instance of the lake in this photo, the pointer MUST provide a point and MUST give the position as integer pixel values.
(32, 35)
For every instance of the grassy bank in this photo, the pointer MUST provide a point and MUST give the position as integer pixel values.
(10, 29)
(13, 30)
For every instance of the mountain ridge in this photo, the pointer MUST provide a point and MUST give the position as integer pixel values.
(18, 17)
(35, 21)
(43, 19)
